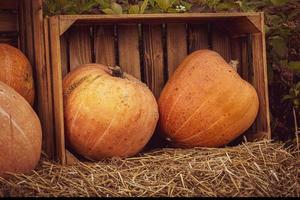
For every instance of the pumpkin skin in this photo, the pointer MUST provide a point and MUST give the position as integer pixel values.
(107, 116)
(20, 133)
(16, 71)
(206, 103)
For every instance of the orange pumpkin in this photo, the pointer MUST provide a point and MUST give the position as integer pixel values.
(105, 115)
(206, 103)
(20, 133)
(16, 71)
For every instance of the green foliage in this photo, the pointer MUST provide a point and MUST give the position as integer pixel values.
(55, 7)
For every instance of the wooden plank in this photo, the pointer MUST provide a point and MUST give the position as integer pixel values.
(260, 82)
(57, 89)
(104, 45)
(8, 22)
(236, 52)
(47, 106)
(65, 68)
(245, 59)
(28, 30)
(159, 16)
(198, 37)
(80, 50)
(176, 46)
(43, 91)
(129, 56)
(153, 57)
(221, 43)
(22, 25)
(9, 5)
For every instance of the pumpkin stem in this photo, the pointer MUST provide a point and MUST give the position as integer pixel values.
(234, 64)
(116, 71)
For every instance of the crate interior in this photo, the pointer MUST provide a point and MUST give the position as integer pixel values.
(151, 51)
(9, 29)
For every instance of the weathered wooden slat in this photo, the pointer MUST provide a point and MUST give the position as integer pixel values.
(10, 5)
(65, 68)
(245, 59)
(47, 104)
(231, 19)
(260, 82)
(57, 89)
(104, 45)
(28, 30)
(221, 43)
(153, 57)
(8, 22)
(22, 25)
(80, 50)
(236, 52)
(198, 37)
(176, 46)
(42, 79)
(129, 56)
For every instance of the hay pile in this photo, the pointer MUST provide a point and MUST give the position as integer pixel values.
(252, 169)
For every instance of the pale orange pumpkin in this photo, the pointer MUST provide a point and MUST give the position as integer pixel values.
(206, 103)
(16, 71)
(107, 116)
(20, 133)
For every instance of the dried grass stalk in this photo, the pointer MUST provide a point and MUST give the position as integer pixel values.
(262, 168)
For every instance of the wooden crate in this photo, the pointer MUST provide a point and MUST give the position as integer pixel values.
(21, 25)
(150, 47)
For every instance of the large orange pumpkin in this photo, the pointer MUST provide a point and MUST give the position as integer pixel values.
(206, 103)
(20, 133)
(106, 115)
(16, 71)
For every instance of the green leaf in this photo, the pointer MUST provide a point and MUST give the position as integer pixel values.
(294, 65)
(287, 97)
(279, 2)
(117, 8)
(144, 6)
(104, 3)
(163, 4)
(134, 9)
(172, 10)
(297, 86)
(226, 6)
(187, 5)
(279, 46)
(108, 11)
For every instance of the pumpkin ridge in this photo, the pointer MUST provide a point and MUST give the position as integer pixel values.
(234, 122)
(195, 112)
(79, 107)
(104, 133)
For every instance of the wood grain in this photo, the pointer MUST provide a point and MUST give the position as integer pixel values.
(236, 52)
(260, 82)
(57, 89)
(221, 43)
(245, 72)
(104, 45)
(153, 58)
(9, 5)
(198, 37)
(176, 45)
(64, 51)
(42, 79)
(47, 108)
(128, 46)
(8, 22)
(28, 30)
(80, 50)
